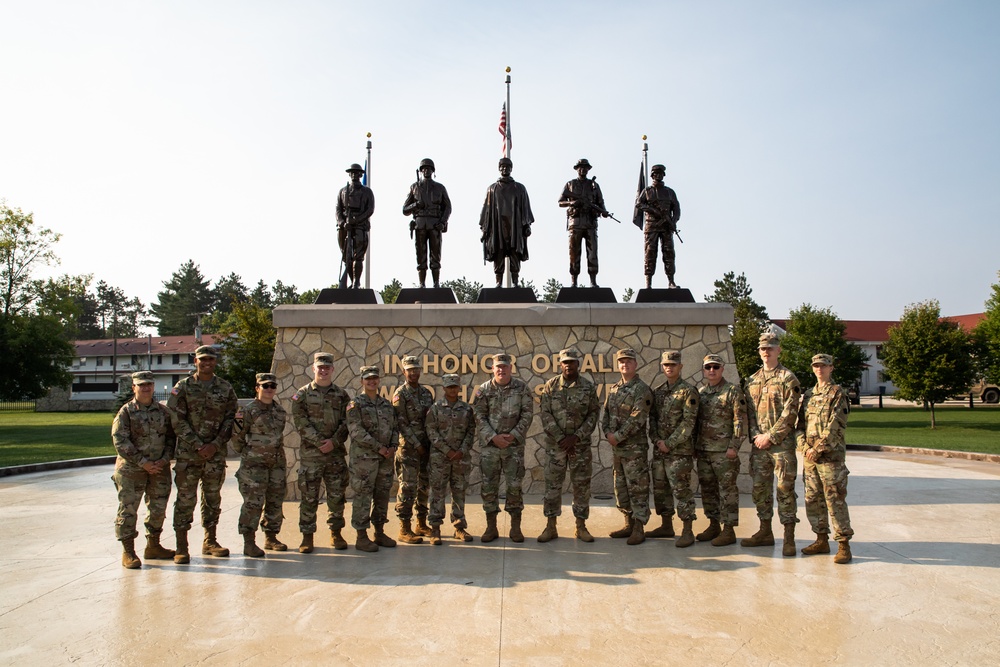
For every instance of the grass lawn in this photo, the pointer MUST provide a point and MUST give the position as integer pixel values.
(37, 437)
(958, 429)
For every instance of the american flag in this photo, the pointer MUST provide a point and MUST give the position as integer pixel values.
(502, 128)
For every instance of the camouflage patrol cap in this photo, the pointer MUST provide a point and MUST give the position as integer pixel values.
(355, 167)
(450, 380)
(143, 377)
(410, 361)
(205, 351)
(822, 359)
(582, 162)
(768, 340)
(626, 353)
(670, 357)
(657, 168)
(427, 162)
(323, 359)
(712, 359)
(266, 377)
(502, 359)
(569, 354)
(370, 372)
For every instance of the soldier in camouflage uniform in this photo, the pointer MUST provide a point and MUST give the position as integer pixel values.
(819, 436)
(722, 416)
(411, 402)
(504, 408)
(773, 395)
(451, 428)
(144, 440)
(626, 412)
(319, 412)
(569, 410)
(203, 406)
(258, 437)
(371, 422)
(671, 429)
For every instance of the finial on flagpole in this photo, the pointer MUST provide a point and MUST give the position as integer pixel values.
(643, 137)
(508, 70)
(369, 135)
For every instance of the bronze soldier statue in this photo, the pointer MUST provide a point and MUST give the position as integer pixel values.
(584, 203)
(430, 207)
(506, 223)
(355, 205)
(662, 211)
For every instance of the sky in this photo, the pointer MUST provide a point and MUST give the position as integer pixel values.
(842, 154)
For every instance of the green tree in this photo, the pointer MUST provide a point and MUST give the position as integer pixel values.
(749, 317)
(247, 346)
(227, 291)
(285, 293)
(69, 300)
(987, 338)
(927, 358)
(22, 249)
(551, 290)
(261, 295)
(812, 330)
(187, 293)
(121, 317)
(465, 291)
(391, 291)
(34, 355)
(628, 295)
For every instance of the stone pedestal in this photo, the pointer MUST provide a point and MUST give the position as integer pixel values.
(460, 338)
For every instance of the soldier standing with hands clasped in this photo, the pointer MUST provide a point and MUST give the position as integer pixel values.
(626, 412)
(144, 440)
(773, 395)
(819, 436)
(430, 207)
(411, 401)
(203, 407)
(259, 440)
(451, 428)
(569, 410)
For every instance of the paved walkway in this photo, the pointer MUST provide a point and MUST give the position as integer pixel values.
(923, 588)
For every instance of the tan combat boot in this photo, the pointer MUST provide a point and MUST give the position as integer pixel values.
(762, 538)
(491, 528)
(788, 548)
(582, 533)
(665, 530)
(272, 543)
(156, 551)
(129, 560)
(687, 536)
(364, 544)
(638, 535)
(625, 530)
(550, 533)
(422, 527)
(820, 546)
(435, 537)
(181, 556)
(726, 537)
(406, 533)
(515, 528)
(211, 546)
(307, 544)
(382, 539)
(250, 547)
(462, 534)
(337, 540)
(709, 533)
(843, 553)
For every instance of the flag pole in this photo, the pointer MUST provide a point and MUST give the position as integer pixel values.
(368, 251)
(645, 157)
(506, 154)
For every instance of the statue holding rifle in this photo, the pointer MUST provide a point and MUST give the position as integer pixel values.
(584, 204)
(430, 207)
(355, 205)
(661, 210)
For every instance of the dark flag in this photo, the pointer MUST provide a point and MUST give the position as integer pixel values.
(637, 214)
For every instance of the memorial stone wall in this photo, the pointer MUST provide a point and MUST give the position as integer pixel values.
(459, 338)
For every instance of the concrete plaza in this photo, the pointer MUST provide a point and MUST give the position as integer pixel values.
(924, 587)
